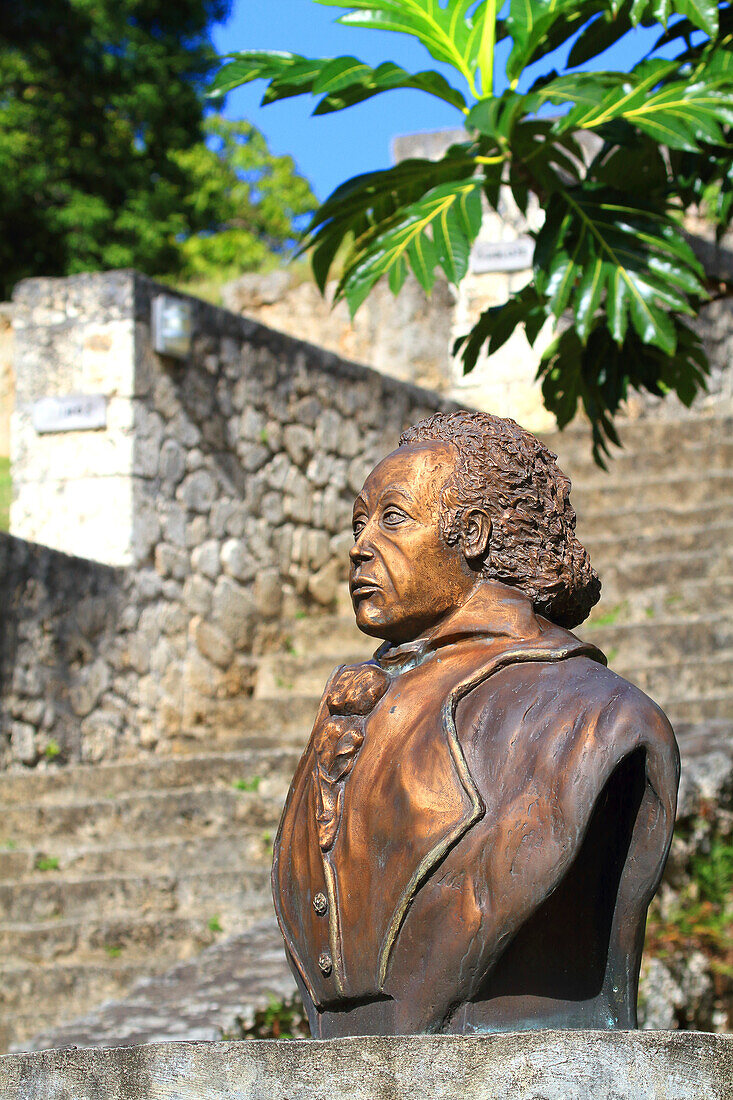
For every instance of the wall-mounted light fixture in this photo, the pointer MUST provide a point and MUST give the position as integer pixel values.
(172, 324)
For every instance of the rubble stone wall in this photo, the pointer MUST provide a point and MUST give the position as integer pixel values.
(221, 490)
(7, 377)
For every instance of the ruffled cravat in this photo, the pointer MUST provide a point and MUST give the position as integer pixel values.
(353, 695)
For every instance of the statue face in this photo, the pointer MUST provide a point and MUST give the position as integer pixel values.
(404, 579)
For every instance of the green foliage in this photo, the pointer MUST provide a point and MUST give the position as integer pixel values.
(252, 784)
(46, 863)
(6, 494)
(214, 924)
(612, 616)
(112, 950)
(245, 202)
(613, 275)
(106, 159)
(52, 750)
(702, 915)
(280, 1020)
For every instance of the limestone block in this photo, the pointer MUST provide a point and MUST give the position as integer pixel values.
(233, 611)
(205, 559)
(196, 531)
(107, 358)
(98, 453)
(214, 644)
(171, 561)
(323, 585)
(102, 511)
(267, 592)
(237, 560)
(89, 687)
(298, 442)
(22, 743)
(198, 491)
(173, 520)
(531, 1065)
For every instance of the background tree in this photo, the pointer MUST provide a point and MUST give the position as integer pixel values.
(248, 206)
(102, 152)
(613, 274)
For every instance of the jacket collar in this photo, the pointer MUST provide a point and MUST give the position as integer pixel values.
(494, 612)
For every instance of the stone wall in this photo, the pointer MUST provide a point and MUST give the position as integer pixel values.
(407, 337)
(7, 377)
(224, 482)
(60, 618)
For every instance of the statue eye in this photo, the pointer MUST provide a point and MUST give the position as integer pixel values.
(393, 517)
(358, 526)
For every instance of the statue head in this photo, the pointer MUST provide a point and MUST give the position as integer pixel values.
(466, 498)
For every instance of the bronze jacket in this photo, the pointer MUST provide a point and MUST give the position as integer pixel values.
(474, 833)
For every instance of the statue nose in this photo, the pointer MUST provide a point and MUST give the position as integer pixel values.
(361, 551)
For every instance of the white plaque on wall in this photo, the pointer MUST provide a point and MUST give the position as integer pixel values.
(73, 413)
(502, 255)
(172, 325)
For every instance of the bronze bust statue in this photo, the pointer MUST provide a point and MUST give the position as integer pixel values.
(483, 812)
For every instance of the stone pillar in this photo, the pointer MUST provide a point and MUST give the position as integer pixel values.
(529, 1065)
(73, 490)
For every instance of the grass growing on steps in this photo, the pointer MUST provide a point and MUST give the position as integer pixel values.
(5, 494)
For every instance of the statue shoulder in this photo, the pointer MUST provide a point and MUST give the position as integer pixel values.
(575, 698)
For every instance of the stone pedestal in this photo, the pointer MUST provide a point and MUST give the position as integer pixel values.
(534, 1065)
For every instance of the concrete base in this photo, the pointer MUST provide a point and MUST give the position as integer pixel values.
(532, 1065)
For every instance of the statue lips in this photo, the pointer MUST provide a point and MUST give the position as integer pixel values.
(363, 588)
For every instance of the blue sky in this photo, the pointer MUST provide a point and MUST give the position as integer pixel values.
(331, 148)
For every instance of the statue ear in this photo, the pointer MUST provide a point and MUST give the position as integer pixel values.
(476, 536)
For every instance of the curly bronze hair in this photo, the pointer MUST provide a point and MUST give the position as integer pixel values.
(506, 471)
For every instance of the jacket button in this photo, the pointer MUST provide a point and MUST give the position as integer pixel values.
(325, 963)
(320, 904)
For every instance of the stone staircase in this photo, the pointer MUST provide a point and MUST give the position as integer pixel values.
(117, 871)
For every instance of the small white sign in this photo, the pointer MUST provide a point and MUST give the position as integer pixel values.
(74, 413)
(502, 255)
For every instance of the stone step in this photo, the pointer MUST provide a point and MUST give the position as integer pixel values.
(255, 767)
(700, 708)
(190, 812)
(668, 437)
(679, 490)
(615, 526)
(247, 722)
(73, 860)
(65, 991)
(189, 894)
(668, 683)
(684, 602)
(631, 574)
(91, 940)
(709, 539)
(660, 640)
(636, 463)
(39, 996)
(218, 992)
